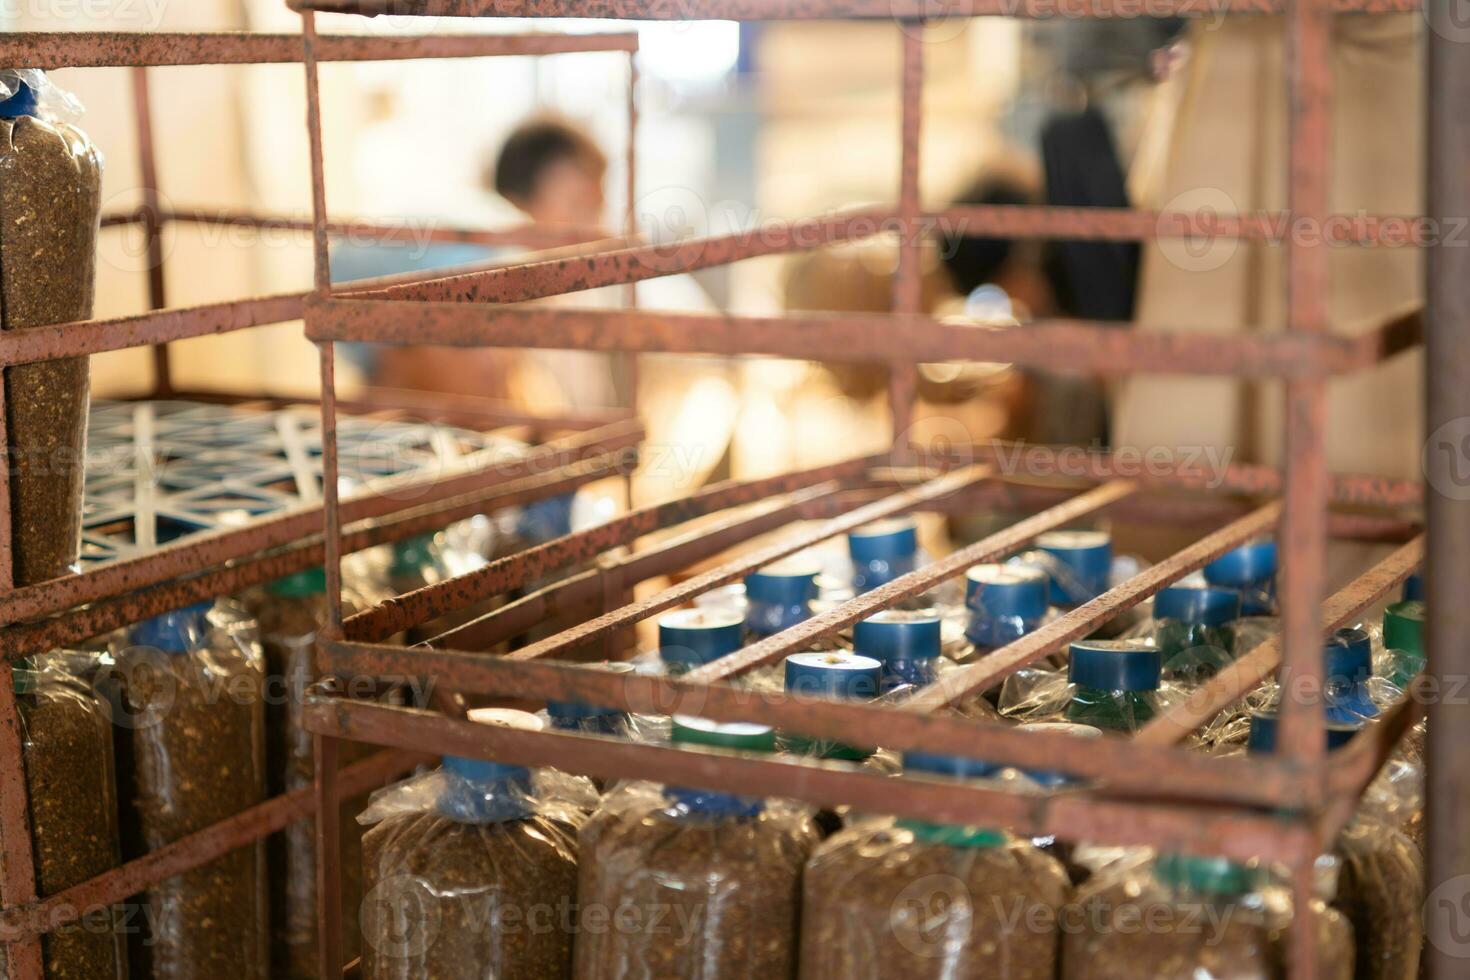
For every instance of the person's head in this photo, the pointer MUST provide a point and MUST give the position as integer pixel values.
(1016, 266)
(553, 172)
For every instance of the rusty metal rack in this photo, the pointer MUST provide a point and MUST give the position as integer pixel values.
(1146, 790)
(568, 451)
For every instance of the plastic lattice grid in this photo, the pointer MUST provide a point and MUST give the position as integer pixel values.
(163, 471)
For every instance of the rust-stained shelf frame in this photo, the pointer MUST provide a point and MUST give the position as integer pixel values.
(39, 617)
(466, 310)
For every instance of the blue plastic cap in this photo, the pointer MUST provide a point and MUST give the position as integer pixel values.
(695, 637)
(22, 103)
(1197, 606)
(1116, 665)
(884, 540)
(571, 714)
(1262, 740)
(1250, 563)
(1088, 555)
(940, 764)
(897, 635)
(1051, 778)
(546, 519)
(714, 804)
(178, 631)
(1018, 591)
(1348, 655)
(833, 675)
(783, 584)
(482, 770)
(1414, 587)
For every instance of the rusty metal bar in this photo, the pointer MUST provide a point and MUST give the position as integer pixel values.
(1248, 670)
(1447, 404)
(746, 563)
(1141, 771)
(462, 411)
(1083, 345)
(1086, 618)
(750, 10)
(202, 846)
(908, 282)
(634, 263)
(157, 327)
(580, 591)
(152, 221)
(802, 635)
(1190, 828)
(113, 49)
(537, 236)
(1304, 524)
(1216, 476)
(324, 747)
(17, 853)
(1129, 224)
(475, 472)
(498, 577)
(17, 849)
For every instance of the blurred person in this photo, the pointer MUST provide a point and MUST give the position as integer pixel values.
(553, 173)
(1030, 280)
(1221, 145)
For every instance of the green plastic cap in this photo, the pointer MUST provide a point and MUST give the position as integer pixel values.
(413, 554)
(952, 835)
(301, 585)
(691, 730)
(1403, 626)
(24, 676)
(1212, 875)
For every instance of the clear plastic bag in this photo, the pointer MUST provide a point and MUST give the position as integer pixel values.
(689, 884)
(191, 696)
(1175, 918)
(50, 192)
(892, 898)
(471, 871)
(66, 735)
(291, 611)
(1381, 892)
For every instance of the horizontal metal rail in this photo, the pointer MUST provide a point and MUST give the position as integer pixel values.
(1248, 670)
(738, 568)
(1194, 829)
(201, 847)
(1084, 345)
(584, 591)
(749, 10)
(1184, 473)
(998, 545)
(1129, 224)
(422, 605)
(142, 329)
(1086, 618)
(475, 471)
(1159, 772)
(463, 411)
(537, 236)
(139, 49)
(635, 263)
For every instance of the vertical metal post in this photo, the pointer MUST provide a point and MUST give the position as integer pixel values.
(324, 749)
(629, 366)
(1304, 517)
(1447, 423)
(17, 856)
(908, 279)
(152, 223)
